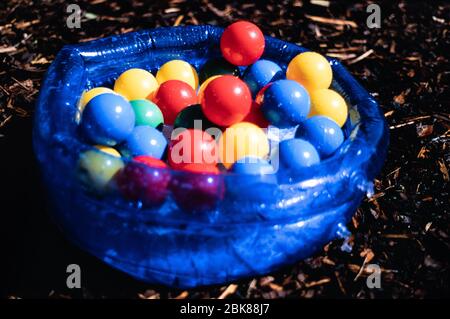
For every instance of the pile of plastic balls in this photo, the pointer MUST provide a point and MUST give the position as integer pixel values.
(210, 121)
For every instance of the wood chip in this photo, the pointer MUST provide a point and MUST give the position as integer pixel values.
(178, 20)
(231, 289)
(172, 10)
(331, 21)
(444, 170)
(322, 3)
(361, 57)
(317, 283)
(368, 255)
(275, 287)
(424, 130)
(342, 56)
(397, 236)
(389, 113)
(328, 261)
(183, 295)
(341, 286)
(7, 49)
(423, 152)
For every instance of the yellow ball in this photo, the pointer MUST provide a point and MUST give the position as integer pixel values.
(135, 84)
(311, 70)
(329, 103)
(204, 85)
(178, 70)
(97, 169)
(241, 140)
(89, 95)
(108, 150)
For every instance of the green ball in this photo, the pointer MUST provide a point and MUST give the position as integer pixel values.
(147, 113)
(217, 66)
(186, 118)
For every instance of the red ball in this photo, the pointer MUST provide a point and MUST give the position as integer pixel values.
(256, 116)
(242, 43)
(226, 100)
(198, 188)
(172, 97)
(259, 98)
(192, 147)
(145, 179)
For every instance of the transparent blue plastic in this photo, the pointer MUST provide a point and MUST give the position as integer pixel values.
(241, 236)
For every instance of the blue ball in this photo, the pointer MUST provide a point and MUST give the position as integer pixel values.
(297, 154)
(145, 140)
(252, 165)
(261, 73)
(322, 132)
(255, 180)
(107, 119)
(286, 103)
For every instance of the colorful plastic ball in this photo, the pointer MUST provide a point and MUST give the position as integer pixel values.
(297, 154)
(108, 150)
(217, 66)
(242, 43)
(261, 73)
(144, 179)
(145, 140)
(193, 117)
(251, 173)
(197, 188)
(107, 119)
(97, 169)
(259, 98)
(242, 140)
(135, 84)
(311, 70)
(172, 97)
(89, 95)
(147, 113)
(329, 103)
(178, 70)
(286, 103)
(323, 133)
(201, 89)
(251, 165)
(194, 147)
(86, 97)
(226, 100)
(256, 116)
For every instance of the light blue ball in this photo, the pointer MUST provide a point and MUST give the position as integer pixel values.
(297, 154)
(107, 119)
(145, 140)
(322, 132)
(261, 73)
(286, 103)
